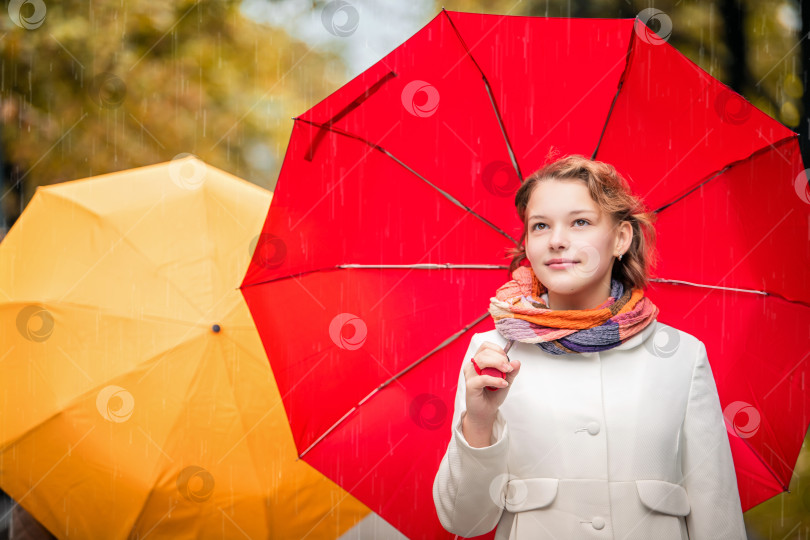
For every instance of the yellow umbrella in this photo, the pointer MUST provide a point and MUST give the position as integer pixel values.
(136, 399)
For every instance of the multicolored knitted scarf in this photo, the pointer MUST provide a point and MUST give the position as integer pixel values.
(521, 314)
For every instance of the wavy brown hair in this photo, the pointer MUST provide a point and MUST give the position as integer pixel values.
(612, 194)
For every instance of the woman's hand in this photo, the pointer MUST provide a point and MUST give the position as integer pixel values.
(482, 404)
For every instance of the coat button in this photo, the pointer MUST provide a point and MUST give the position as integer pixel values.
(593, 428)
(598, 523)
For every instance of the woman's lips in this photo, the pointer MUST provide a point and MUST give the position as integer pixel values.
(560, 266)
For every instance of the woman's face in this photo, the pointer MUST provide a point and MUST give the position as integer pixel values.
(565, 223)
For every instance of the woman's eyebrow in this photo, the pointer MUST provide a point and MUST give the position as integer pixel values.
(571, 213)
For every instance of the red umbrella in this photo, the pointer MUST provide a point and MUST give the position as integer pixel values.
(386, 236)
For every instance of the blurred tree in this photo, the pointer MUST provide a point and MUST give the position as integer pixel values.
(773, 29)
(734, 15)
(106, 85)
(804, 128)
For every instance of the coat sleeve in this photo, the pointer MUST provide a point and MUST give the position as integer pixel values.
(468, 487)
(709, 475)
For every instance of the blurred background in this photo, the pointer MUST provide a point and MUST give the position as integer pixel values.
(88, 88)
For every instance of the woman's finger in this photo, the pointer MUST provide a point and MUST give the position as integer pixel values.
(510, 375)
(489, 358)
(496, 349)
(488, 380)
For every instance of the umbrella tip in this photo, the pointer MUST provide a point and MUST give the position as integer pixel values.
(216, 328)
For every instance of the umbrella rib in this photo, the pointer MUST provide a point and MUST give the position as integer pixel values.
(711, 176)
(491, 97)
(681, 282)
(735, 289)
(425, 266)
(428, 266)
(442, 345)
(627, 57)
(346, 110)
(428, 182)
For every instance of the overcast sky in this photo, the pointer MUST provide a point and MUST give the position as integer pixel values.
(362, 31)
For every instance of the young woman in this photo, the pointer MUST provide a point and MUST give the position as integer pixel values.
(601, 422)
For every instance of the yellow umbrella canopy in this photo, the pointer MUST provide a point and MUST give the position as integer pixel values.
(136, 398)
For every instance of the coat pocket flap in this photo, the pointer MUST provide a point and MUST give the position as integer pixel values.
(529, 493)
(664, 497)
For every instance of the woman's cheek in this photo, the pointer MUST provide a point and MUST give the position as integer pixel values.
(534, 254)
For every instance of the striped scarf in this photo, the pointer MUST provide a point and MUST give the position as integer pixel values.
(521, 314)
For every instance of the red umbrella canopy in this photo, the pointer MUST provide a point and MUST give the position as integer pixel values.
(387, 233)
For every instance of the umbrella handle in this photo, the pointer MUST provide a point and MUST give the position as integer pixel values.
(494, 372)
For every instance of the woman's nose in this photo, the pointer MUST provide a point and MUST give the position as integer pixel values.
(558, 239)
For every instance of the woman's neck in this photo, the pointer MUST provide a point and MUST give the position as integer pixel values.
(582, 301)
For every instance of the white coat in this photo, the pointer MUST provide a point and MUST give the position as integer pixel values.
(623, 444)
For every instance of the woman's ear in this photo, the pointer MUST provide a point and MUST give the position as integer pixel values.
(625, 237)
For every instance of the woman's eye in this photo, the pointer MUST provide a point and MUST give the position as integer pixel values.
(536, 225)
